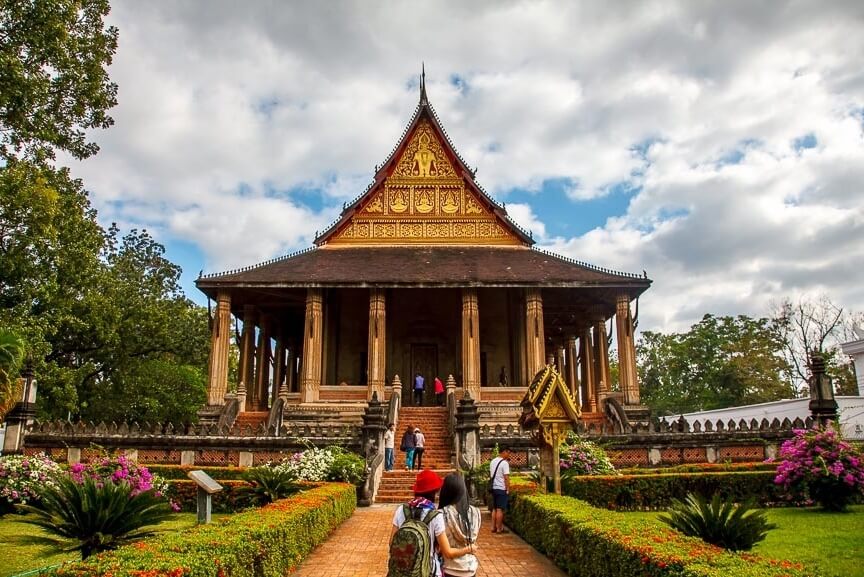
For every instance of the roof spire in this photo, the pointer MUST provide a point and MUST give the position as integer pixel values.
(423, 98)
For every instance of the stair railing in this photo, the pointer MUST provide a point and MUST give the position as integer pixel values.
(229, 413)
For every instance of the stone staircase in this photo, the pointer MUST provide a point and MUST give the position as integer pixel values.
(252, 419)
(432, 421)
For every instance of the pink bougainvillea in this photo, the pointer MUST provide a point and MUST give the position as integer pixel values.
(817, 465)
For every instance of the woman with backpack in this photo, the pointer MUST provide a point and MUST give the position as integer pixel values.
(461, 525)
(419, 541)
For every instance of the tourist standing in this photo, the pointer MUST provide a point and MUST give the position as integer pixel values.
(461, 525)
(419, 387)
(419, 447)
(422, 507)
(407, 445)
(389, 437)
(439, 392)
(499, 472)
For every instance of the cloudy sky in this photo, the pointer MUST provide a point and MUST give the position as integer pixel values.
(719, 146)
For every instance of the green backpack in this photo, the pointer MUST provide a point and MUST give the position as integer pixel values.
(411, 548)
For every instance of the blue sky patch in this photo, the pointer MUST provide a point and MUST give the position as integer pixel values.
(806, 141)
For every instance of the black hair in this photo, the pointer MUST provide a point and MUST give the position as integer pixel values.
(453, 492)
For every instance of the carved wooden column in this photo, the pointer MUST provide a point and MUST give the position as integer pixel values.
(535, 340)
(246, 370)
(217, 383)
(310, 383)
(589, 391)
(626, 351)
(258, 396)
(376, 362)
(471, 343)
(572, 373)
(601, 357)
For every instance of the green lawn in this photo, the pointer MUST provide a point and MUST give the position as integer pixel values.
(18, 556)
(830, 542)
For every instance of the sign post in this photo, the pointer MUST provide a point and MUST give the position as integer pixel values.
(206, 488)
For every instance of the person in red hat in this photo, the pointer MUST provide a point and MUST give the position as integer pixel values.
(426, 487)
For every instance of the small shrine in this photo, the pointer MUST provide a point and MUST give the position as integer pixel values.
(549, 407)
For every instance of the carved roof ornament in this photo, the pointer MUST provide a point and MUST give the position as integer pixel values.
(548, 400)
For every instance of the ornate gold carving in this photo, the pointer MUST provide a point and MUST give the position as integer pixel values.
(472, 206)
(424, 157)
(424, 199)
(375, 205)
(399, 200)
(450, 199)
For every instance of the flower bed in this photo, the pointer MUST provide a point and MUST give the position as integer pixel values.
(266, 542)
(21, 478)
(702, 468)
(586, 541)
(641, 492)
(231, 498)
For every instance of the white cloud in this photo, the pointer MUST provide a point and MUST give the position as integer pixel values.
(243, 130)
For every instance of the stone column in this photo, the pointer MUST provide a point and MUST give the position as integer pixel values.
(217, 382)
(246, 370)
(258, 397)
(291, 366)
(471, 343)
(559, 361)
(535, 340)
(589, 380)
(376, 362)
(601, 355)
(278, 367)
(572, 373)
(310, 382)
(626, 351)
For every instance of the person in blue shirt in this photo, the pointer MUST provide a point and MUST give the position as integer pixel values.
(419, 387)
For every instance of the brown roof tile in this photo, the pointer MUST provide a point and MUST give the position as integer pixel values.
(425, 266)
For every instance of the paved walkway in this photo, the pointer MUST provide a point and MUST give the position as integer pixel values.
(358, 548)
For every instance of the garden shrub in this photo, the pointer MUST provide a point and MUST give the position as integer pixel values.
(719, 522)
(266, 542)
(268, 484)
(586, 541)
(578, 456)
(701, 468)
(817, 465)
(91, 515)
(118, 469)
(232, 497)
(650, 492)
(324, 464)
(23, 478)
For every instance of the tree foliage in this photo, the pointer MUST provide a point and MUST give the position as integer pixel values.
(55, 86)
(720, 362)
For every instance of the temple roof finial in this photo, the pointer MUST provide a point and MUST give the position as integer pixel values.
(423, 98)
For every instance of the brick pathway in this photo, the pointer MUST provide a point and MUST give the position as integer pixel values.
(358, 548)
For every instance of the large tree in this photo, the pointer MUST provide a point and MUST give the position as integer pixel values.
(720, 362)
(817, 324)
(54, 85)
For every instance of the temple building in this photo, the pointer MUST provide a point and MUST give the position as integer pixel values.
(423, 274)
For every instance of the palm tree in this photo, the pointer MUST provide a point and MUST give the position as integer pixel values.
(94, 516)
(11, 356)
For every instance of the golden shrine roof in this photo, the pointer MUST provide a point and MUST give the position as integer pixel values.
(424, 193)
(548, 398)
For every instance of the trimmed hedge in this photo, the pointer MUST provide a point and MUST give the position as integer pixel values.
(231, 498)
(266, 542)
(171, 472)
(702, 468)
(649, 492)
(585, 541)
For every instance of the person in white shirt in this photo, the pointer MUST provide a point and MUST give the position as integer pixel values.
(461, 525)
(389, 455)
(499, 473)
(419, 448)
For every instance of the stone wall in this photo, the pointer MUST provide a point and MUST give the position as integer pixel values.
(660, 444)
